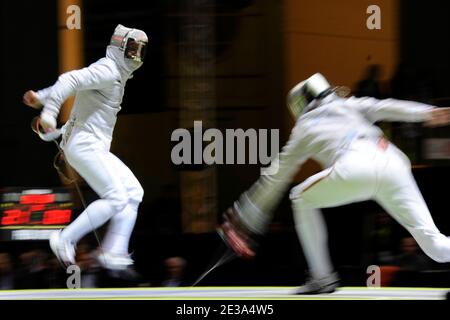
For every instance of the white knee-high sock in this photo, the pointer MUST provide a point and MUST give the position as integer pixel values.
(120, 229)
(94, 216)
(313, 235)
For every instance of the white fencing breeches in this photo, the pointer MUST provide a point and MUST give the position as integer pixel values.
(368, 172)
(119, 191)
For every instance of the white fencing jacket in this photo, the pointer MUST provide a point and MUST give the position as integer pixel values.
(326, 132)
(98, 91)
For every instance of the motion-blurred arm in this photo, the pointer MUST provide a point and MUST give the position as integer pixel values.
(96, 76)
(255, 206)
(391, 109)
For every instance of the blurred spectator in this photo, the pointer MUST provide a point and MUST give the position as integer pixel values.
(383, 238)
(7, 279)
(415, 268)
(411, 258)
(56, 276)
(411, 83)
(90, 269)
(175, 267)
(33, 270)
(370, 85)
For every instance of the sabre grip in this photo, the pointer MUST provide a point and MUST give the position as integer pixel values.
(39, 130)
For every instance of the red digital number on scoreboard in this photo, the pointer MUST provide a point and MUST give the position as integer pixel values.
(34, 210)
(49, 217)
(56, 217)
(15, 217)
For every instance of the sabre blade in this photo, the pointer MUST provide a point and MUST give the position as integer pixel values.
(226, 257)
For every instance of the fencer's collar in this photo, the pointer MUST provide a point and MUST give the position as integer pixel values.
(331, 96)
(316, 103)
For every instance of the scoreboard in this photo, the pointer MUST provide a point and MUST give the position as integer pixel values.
(32, 214)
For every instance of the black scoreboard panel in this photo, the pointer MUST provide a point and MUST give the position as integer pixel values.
(32, 214)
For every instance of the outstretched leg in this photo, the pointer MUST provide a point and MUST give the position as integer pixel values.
(346, 182)
(402, 199)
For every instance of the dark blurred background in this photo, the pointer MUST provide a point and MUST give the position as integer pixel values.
(246, 55)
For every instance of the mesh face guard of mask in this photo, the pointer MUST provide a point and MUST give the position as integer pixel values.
(306, 91)
(132, 42)
(136, 50)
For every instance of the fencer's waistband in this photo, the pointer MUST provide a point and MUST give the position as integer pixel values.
(67, 130)
(381, 141)
(371, 138)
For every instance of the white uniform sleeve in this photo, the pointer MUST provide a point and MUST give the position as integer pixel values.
(390, 109)
(97, 76)
(256, 205)
(43, 94)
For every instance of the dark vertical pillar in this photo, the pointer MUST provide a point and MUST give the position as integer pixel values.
(29, 61)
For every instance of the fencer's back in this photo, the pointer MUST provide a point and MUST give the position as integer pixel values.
(329, 129)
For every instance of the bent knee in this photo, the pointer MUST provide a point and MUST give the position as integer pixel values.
(118, 200)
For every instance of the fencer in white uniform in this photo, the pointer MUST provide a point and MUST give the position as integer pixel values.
(359, 164)
(86, 141)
